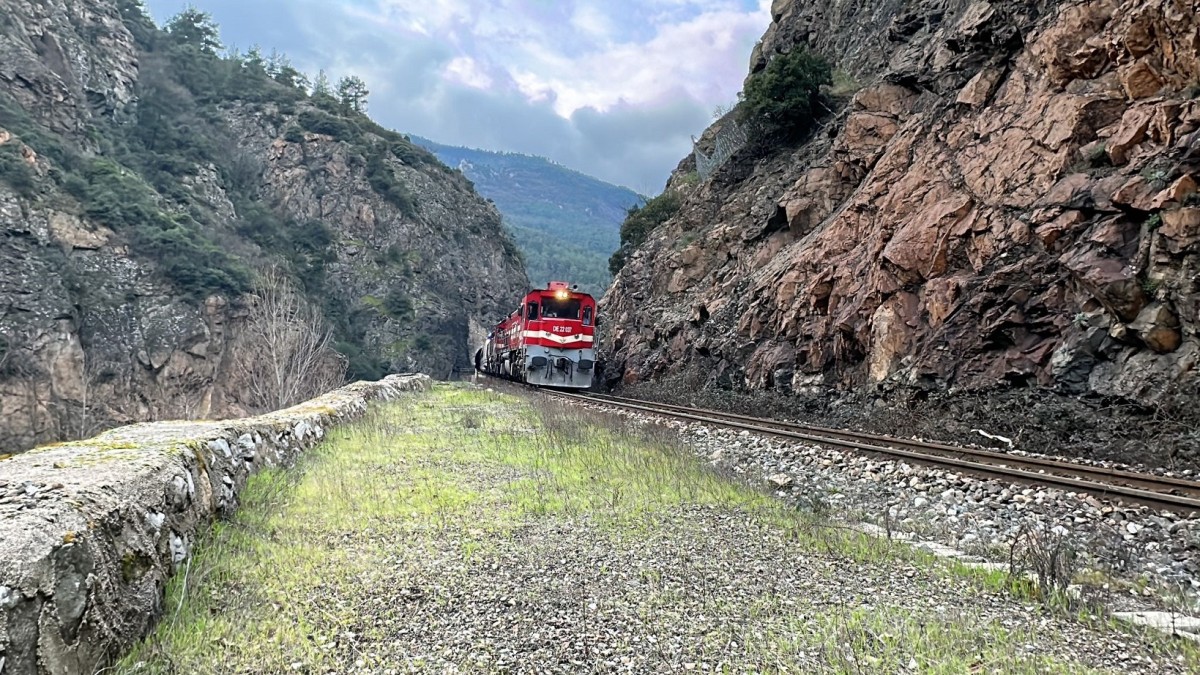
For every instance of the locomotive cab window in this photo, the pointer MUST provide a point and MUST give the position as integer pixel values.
(587, 316)
(553, 308)
(531, 312)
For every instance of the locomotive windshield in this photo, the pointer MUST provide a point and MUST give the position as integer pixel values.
(553, 308)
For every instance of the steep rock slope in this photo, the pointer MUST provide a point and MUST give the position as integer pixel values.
(566, 223)
(128, 253)
(1008, 199)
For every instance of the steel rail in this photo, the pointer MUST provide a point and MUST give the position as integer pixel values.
(1102, 474)
(1154, 491)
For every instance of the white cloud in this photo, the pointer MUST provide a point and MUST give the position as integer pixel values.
(614, 88)
(467, 70)
(593, 22)
(705, 57)
(584, 53)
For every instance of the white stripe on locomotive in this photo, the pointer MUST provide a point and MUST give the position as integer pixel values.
(560, 339)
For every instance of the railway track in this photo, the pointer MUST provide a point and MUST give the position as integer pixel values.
(1157, 492)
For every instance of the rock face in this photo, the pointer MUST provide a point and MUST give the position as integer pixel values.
(90, 532)
(71, 61)
(1008, 199)
(93, 331)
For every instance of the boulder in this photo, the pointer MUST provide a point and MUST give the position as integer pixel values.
(780, 480)
(1158, 328)
(1110, 280)
(980, 88)
(1182, 226)
(1140, 80)
(1129, 133)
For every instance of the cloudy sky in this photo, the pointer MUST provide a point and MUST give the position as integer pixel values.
(613, 88)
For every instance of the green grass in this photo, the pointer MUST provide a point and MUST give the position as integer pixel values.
(254, 580)
(291, 574)
(844, 85)
(890, 639)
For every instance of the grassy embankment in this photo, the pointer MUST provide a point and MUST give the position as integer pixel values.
(472, 529)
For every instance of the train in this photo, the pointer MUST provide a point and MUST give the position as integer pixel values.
(549, 341)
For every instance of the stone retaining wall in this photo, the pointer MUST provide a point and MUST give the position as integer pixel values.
(91, 531)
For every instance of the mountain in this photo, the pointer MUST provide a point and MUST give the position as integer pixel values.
(996, 200)
(185, 234)
(566, 223)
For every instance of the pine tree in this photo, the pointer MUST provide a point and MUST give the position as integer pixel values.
(254, 61)
(197, 29)
(137, 20)
(276, 62)
(279, 68)
(321, 86)
(288, 76)
(352, 92)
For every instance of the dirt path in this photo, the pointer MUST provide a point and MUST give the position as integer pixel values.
(465, 531)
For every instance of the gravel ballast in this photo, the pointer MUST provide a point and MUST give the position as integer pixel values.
(1134, 557)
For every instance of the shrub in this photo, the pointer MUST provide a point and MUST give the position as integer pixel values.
(394, 254)
(193, 263)
(361, 365)
(319, 122)
(15, 171)
(617, 261)
(384, 182)
(309, 246)
(1052, 558)
(640, 221)
(117, 198)
(784, 97)
(843, 85)
(44, 142)
(510, 247)
(397, 304)
(410, 154)
(180, 123)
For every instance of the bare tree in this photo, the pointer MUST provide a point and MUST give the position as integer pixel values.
(287, 356)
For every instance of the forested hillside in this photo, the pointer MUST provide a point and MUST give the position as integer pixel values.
(566, 223)
(182, 223)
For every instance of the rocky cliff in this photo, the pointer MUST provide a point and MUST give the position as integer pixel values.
(1007, 198)
(141, 198)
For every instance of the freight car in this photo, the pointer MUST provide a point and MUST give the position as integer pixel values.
(549, 341)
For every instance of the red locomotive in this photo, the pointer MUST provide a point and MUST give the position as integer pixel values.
(549, 341)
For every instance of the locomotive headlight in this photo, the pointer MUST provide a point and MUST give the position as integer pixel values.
(562, 295)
